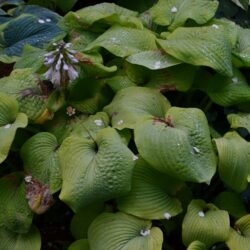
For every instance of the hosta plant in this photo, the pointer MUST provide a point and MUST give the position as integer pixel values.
(129, 127)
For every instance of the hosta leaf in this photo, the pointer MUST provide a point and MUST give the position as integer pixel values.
(240, 120)
(242, 48)
(124, 42)
(178, 145)
(234, 157)
(175, 13)
(39, 155)
(187, 44)
(239, 237)
(106, 13)
(205, 223)
(31, 58)
(28, 29)
(24, 86)
(150, 196)
(154, 59)
(231, 202)
(121, 231)
(228, 91)
(80, 245)
(65, 5)
(82, 220)
(242, 3)
(14, 241)
(134, 103)
(10, 121)
(16, 215)
(197, 245)
(94, 170)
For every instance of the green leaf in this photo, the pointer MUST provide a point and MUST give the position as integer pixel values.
(122, 41)
(105, 13)
(10, 121)
(205, 223)
(121, 231)
(197, 245)
(82, 220)
(94, 170)
(175, 13)
(27, 29)
(154, 59)
(13, 241)
(23, 84)
(178, 145)
(187, 44)
(31, 58)
(134, 103)
(40, 159)
(242, 49)
(242, 3)
(80, 245)
(239, 237)
(231, 202)
(229, 91)
(234, 157)
(16, 215)
(152, 194)
(240, 120)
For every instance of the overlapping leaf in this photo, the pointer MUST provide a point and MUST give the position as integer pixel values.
(16, 215)
(178, 145)
(121, 231)
(152, 194)
(239, 237)
(10, 121)
(197, 245)
(175, 13)
(40, 159)
(234, 157)
(207, 46)
(79, 245)
(205, 223)
(94, 170)
(123, 42)
(134, 103)
(240, 120)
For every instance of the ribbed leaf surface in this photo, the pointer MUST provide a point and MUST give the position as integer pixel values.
(234, 158)
(197, 245)
(125, 232)
(123, 42)
(207, 46)
(178, 145)
(40, 158)
(175, 13)
(205, 223)
(240, 120)
(94, 170)
(134, 103)
(152, 194)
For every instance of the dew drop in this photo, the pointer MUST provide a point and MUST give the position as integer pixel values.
(145, 232)
(174, 9)
(48, 20)
(167, 216)
(215, 26)
(41, 21)
(98, 122)
(120, 122)
(201, 214)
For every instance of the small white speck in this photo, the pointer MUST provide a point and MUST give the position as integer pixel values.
(235, 79)
(113, 39)
(201, 214)
(7, 126)
(178, 144)
(174, 9)
(135, 157)
(41, 21)
(48, 20)
(196, 150)
(144, 232)
(98, 122)
(157, 65)
(120, 122)
(28, 178)
(54, 44)
(214, 247)
(167, 216)
(215, 26)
